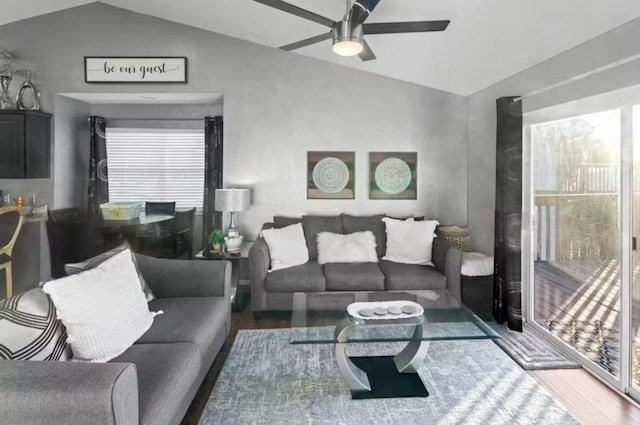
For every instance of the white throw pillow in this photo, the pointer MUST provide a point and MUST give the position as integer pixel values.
(358, 247)
(409, 242)
(287, 246)
(103, 309)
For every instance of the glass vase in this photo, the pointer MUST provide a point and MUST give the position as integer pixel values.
(29, 93)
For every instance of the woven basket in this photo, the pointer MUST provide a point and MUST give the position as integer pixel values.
(456, 236)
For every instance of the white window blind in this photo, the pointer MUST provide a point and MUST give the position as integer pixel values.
(160, 165)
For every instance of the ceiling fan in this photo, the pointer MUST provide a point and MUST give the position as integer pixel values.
(348, 34)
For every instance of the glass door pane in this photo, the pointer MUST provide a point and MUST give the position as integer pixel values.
(635, 257)
(576, 236)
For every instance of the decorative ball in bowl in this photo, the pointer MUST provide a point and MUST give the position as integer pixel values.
(233, 242)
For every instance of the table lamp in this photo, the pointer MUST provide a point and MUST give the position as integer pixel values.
(232, 201)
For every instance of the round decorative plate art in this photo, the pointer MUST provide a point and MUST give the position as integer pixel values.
(393, 176)
(330, 175)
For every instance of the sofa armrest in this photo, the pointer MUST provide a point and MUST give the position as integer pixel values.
(71, 393)
(259, 262)
(448, 260)
(186, 278)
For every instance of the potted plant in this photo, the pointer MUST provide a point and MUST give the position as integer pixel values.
(216, 238)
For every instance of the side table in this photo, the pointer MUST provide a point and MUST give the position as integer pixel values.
(240, 275)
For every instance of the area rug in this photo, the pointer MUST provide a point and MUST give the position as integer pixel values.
(266, 380)
(530, 350)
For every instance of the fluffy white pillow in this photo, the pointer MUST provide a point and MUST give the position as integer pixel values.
(287, 246)
(409, 242)
(103, 309)
(358, 247)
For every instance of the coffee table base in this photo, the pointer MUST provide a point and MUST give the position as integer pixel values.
(386, 381)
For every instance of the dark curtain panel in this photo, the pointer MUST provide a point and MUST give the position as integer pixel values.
(211, 219)
(98, 177)
(507, 303)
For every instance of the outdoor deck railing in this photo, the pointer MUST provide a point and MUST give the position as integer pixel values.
(580, 220)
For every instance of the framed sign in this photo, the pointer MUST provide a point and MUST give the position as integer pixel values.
(143, 69)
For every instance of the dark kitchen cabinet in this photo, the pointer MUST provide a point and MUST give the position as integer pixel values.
(25, 144)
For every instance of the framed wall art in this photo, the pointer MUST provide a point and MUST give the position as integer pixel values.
(128, 69)
(331, 175)
(393, 175)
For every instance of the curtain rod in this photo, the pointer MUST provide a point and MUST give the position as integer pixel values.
(154, 119)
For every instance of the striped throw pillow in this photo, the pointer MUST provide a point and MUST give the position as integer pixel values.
(29, 329)
(91, 263)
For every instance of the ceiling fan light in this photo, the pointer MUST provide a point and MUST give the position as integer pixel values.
(347, 47)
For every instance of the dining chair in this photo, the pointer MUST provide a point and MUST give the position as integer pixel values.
(157, 240)
(183, 224)
(7, 250)
(69, 242)
(162, 208)
(66, 214)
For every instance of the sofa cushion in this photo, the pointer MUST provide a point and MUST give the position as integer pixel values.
(415, 218)
(281, 221)
(305, 278)
(399, 276)
(165, 374)
(374, 223)
(190, 319)
(353, 277)
(314, 224)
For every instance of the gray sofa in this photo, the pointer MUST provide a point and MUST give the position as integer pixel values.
(273, 291)
(155, 380)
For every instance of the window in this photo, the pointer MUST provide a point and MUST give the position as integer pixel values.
(161, 165)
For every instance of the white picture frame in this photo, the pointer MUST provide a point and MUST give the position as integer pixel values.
(135, 69)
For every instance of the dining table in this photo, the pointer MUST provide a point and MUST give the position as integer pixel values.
(142, 221)
(115, 231)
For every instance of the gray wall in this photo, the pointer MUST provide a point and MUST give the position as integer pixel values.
(563, 78)
(277, 106)
(71, 152)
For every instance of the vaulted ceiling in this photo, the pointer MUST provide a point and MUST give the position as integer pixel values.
(487, 40)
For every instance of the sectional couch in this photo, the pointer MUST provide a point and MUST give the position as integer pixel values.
(155, 380)
(273, 290)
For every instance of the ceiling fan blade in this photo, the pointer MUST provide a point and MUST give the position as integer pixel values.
(361, 10)
(401, 27)
(306, 42)
(298, 11)
(366, 54)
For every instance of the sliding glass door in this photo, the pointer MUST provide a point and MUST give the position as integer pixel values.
(635, 262)
(576, 235)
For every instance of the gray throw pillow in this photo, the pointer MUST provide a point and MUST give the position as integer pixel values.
(374, 223)
(314, 224)
(281, 221)
(75, 268)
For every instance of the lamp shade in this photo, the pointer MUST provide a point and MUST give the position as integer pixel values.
(232, 200)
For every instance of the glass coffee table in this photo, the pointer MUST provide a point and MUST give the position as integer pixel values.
(322, 318)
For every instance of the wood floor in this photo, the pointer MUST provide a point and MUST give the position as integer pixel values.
(589, 400)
